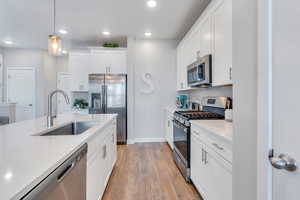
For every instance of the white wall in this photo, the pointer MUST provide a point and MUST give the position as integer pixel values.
(245, 99)
(45, 72)
(157, 57)
(62, 63)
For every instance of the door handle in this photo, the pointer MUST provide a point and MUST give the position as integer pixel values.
(283, 161)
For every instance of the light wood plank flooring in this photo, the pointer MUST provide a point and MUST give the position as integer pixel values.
(147, 172)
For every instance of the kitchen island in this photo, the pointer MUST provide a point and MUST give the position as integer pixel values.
(26, 158)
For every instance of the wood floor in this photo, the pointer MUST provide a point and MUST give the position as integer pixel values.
(147, 172)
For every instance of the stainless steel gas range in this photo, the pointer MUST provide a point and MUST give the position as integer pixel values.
(212, 108)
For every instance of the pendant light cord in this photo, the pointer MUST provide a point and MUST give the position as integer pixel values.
(54, 16)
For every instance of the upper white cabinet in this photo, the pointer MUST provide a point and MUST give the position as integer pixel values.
(109, 61)
(205, 37)
(79, 67)
(181, 69)
(222, 43)
(99, 63)
(96, 62)
(212, 34)
(117, 62)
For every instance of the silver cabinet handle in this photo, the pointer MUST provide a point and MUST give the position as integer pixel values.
(283, 161)
(205, 157)
(104, 152)
(218, 147)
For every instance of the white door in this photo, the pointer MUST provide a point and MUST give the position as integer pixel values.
(63, 83)
(21, 90)
(280, 26)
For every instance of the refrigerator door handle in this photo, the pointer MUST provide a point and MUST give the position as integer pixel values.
(103, 98)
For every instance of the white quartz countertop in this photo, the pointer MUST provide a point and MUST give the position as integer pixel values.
(220, 128)
(26, 159)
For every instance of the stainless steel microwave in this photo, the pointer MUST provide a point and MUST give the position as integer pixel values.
(199, 73)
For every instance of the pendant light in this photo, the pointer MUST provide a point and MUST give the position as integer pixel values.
(54, 41)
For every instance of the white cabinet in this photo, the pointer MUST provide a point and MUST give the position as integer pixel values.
(96, 62)
(109, 61)
(117, 62)
(181, 69)
(101, 158)
(169, 128)
(211, 34)
(205, 37)
(222, 43)
(211, 172)
(79, 67)
(99, 63)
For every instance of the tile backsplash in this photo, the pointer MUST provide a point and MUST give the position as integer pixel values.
(196, 95)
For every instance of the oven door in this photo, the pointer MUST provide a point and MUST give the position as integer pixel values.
(182, 142)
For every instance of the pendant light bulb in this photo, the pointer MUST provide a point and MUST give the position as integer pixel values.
(54, 45)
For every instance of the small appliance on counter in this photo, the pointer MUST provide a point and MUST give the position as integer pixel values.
(229, 111)
(182, 102)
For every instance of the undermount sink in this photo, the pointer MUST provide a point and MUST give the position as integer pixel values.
(74, 128)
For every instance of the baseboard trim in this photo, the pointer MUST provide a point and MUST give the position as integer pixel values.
(131, 141)
(146, 140)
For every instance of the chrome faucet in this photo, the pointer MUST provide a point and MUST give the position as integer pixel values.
(50, 111)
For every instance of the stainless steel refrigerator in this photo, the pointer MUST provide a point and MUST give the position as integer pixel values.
(108, 94)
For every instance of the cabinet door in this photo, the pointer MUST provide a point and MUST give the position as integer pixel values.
(95, 178)
(79, 66)
(169, 129)
(117, 62)
(180, 68)
(205, 37)
(220, 177)
(198, 167)
(99, 63)
(222, 37)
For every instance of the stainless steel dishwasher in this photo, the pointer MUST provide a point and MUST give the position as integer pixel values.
(67, 182)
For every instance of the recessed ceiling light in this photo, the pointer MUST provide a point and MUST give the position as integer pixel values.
(148, 34)
(64, 51)
(106, 33)
(8, 42)
(62, 31)
(152, 3)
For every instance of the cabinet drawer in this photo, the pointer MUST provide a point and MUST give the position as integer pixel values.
(213, 142)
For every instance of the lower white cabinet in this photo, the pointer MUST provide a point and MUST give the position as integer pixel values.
(102, 155)
(169, 128)
(210, 172)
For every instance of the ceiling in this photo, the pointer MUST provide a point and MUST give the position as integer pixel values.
(28, 23)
